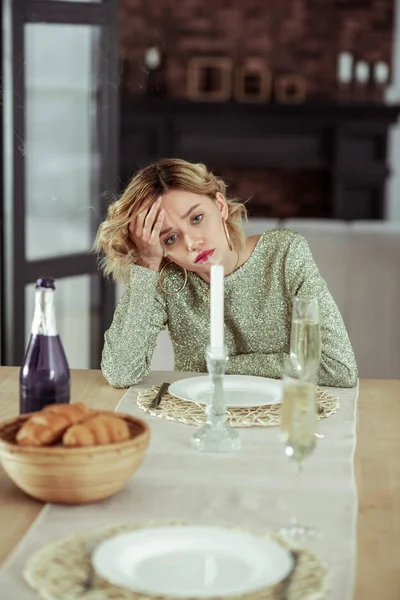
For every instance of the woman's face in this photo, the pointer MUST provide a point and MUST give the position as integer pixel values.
(192, 234)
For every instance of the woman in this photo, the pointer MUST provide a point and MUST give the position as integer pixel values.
(174, 221)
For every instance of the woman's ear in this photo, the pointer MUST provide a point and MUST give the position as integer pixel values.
(222, 205)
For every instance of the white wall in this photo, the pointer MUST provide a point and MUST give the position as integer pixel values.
(393, 96)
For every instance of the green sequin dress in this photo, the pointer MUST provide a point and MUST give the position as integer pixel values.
(258, 306)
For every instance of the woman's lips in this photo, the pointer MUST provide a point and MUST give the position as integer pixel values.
(203, 256)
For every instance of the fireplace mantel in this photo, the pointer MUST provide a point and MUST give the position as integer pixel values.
(349, 141)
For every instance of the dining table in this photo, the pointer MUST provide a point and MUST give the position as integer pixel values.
(376, 467)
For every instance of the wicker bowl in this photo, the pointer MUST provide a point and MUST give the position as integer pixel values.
(72, 475)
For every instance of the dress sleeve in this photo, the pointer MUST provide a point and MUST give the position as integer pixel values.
(139, 317)
(338, 365)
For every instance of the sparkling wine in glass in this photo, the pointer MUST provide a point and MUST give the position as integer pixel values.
(298, 429)
(305, 339)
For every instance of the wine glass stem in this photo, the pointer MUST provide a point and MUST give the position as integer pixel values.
(297, 466)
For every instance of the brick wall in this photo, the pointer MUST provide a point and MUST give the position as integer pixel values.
(293, 36)
(278, 193)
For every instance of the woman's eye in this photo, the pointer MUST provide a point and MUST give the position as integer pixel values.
(170, 240)
(197, 219)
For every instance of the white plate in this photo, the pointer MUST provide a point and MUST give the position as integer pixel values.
(240, 390)
(193, 561)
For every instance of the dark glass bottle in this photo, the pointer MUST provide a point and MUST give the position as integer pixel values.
(44, 376)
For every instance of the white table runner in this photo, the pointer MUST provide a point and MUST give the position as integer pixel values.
(254, 489)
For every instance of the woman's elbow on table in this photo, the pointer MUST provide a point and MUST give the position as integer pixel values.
(338, 374)
(348, 378)
(120, 377)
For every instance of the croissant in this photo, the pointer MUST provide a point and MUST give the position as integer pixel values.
(44, 427)
(96, 430)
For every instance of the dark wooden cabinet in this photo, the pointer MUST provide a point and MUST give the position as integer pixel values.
(348, 141)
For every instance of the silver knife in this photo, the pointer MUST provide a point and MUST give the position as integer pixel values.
(155, 403)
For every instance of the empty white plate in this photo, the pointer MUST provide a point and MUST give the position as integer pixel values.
(240, 390)
(191, 561)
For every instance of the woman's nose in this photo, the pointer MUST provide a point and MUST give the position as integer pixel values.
(192, 243)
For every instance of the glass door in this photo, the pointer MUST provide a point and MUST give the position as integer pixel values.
(61, 67)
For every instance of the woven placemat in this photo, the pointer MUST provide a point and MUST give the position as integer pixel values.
(60, 571)
(190, 413)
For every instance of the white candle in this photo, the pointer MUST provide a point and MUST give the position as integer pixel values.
(217, 307)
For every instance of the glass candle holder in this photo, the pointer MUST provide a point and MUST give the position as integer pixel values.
(216, 435)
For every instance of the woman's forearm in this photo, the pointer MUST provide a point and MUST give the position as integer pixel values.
(130, 341)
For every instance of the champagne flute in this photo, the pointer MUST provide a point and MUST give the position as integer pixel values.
(305, 339)
(298, 428)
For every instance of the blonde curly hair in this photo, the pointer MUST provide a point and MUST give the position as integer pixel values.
(113, 242)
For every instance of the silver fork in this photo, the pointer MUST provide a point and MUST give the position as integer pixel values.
(155, 403)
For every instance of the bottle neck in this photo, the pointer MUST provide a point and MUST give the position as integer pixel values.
(44, 318)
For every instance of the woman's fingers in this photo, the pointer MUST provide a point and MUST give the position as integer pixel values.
(150, 220)
(141, 226)
(155, 234)
(136, 225)
(145, 233)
